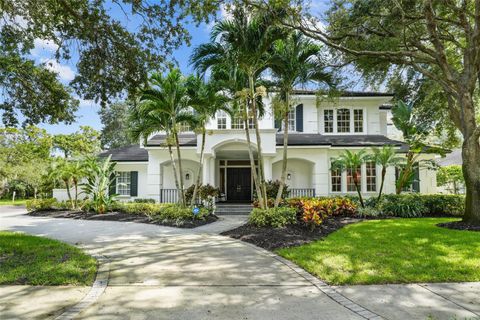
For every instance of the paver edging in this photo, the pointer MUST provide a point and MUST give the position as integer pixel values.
(322, 286)
(97, 289)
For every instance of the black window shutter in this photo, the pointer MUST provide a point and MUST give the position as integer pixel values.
(134, 183)
(299, 117)
(112, 188)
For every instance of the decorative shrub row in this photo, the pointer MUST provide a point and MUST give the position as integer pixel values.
(273, 217)
(155, 211)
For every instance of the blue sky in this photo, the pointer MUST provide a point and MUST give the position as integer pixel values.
(88, 110)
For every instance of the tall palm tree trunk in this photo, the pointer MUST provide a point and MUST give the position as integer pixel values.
(200, 167)
(384, 172)
(261, 168)
(285, 152)
(174, 167)
(252, 161)
(67, 185)
(75, 185)
(357, 186)
(179, 157)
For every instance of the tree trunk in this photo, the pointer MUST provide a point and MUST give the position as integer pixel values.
(67, 185)
(35, 193)
(200, 167)
(471, 173)
(283, 177)
(75, 185)
(357, 186)
(405, 173)
(384, 172)
(179, 157)
(252, 160)
(174, 167)
(261, 172)
(13, 196)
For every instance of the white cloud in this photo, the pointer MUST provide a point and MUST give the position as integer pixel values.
(64, 72)
(42, 45)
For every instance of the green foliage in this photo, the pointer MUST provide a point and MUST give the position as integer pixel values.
(41, 204)
(272, 190)
(38, 261)
(111, 58)
(368, 212)
(451, 177)
(82, 143)
(139, 200)
(100, 175)
(115, 128)
(444, 204)
(164, 212)
(404, 206)
(273, 217)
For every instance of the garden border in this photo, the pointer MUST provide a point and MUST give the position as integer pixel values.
(97, 289)
(322, 286)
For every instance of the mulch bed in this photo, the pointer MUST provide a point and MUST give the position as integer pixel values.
(122, 217)
(291, 235)
(459, 225)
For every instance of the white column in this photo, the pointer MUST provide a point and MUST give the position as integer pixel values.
(211, 179)
(320, 174)
(206, 169)
(267, 164)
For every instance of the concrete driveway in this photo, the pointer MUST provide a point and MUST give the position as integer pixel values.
(167, 273)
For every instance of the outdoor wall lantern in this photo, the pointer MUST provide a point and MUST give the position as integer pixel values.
(187, 176)
(289, 176)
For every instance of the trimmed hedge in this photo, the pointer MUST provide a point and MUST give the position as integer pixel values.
(420, 205)
(273, 217)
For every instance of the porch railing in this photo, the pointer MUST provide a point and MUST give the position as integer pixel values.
(168, 196)
(301, 192)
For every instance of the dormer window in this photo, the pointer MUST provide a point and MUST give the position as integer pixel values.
(343, 120)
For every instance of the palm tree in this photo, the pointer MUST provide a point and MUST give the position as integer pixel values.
(244, 39)
(60, 170)
(164, 105)
(294, 61)
(352, 161)
(206, 100)
(385, 157)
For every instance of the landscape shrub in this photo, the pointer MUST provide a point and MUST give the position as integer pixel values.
(404, 206)
(272, 190)
(444, 204)
(41, 204)
(273, 217)
(368, 212)
(140, 200)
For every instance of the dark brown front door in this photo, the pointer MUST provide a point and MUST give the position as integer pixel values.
(239, 184)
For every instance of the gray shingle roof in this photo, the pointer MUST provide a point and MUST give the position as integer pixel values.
(186, 140)
(128, 153)
(312, 139)
(347, 93)
(454, 158)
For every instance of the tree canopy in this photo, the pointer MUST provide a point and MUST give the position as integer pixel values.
(113, 43)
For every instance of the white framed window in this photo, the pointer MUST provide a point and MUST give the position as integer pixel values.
(350, 181)
(123, 183)
(358, 120)
(292, 120)
(184, 127)
(328, 120)
(343, 120)
(251, 123)
(237, 123)
(336, 180)
(221, 119)
(371, 176)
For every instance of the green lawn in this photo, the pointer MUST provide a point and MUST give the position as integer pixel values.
(8, 202)
(392, 251)
(34, 260)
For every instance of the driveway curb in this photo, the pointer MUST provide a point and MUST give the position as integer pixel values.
(322, 286)
(97, 289)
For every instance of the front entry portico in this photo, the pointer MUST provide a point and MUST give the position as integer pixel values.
(239, 185)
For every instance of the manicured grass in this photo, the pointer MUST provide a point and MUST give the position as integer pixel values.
(8, 202)
(26, 259)
(392, 251)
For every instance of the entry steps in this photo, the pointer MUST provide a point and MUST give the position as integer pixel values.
(233, 208)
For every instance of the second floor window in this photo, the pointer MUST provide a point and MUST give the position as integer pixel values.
(237, 123)
(221, 120)
(358, 120)
(343, 120)
(184, 127)
(328, 120)
(292, 120)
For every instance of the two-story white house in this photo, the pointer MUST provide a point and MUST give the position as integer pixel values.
(318, 132)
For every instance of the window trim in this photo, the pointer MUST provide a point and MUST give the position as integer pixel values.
(222, 115)
(352, 120)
